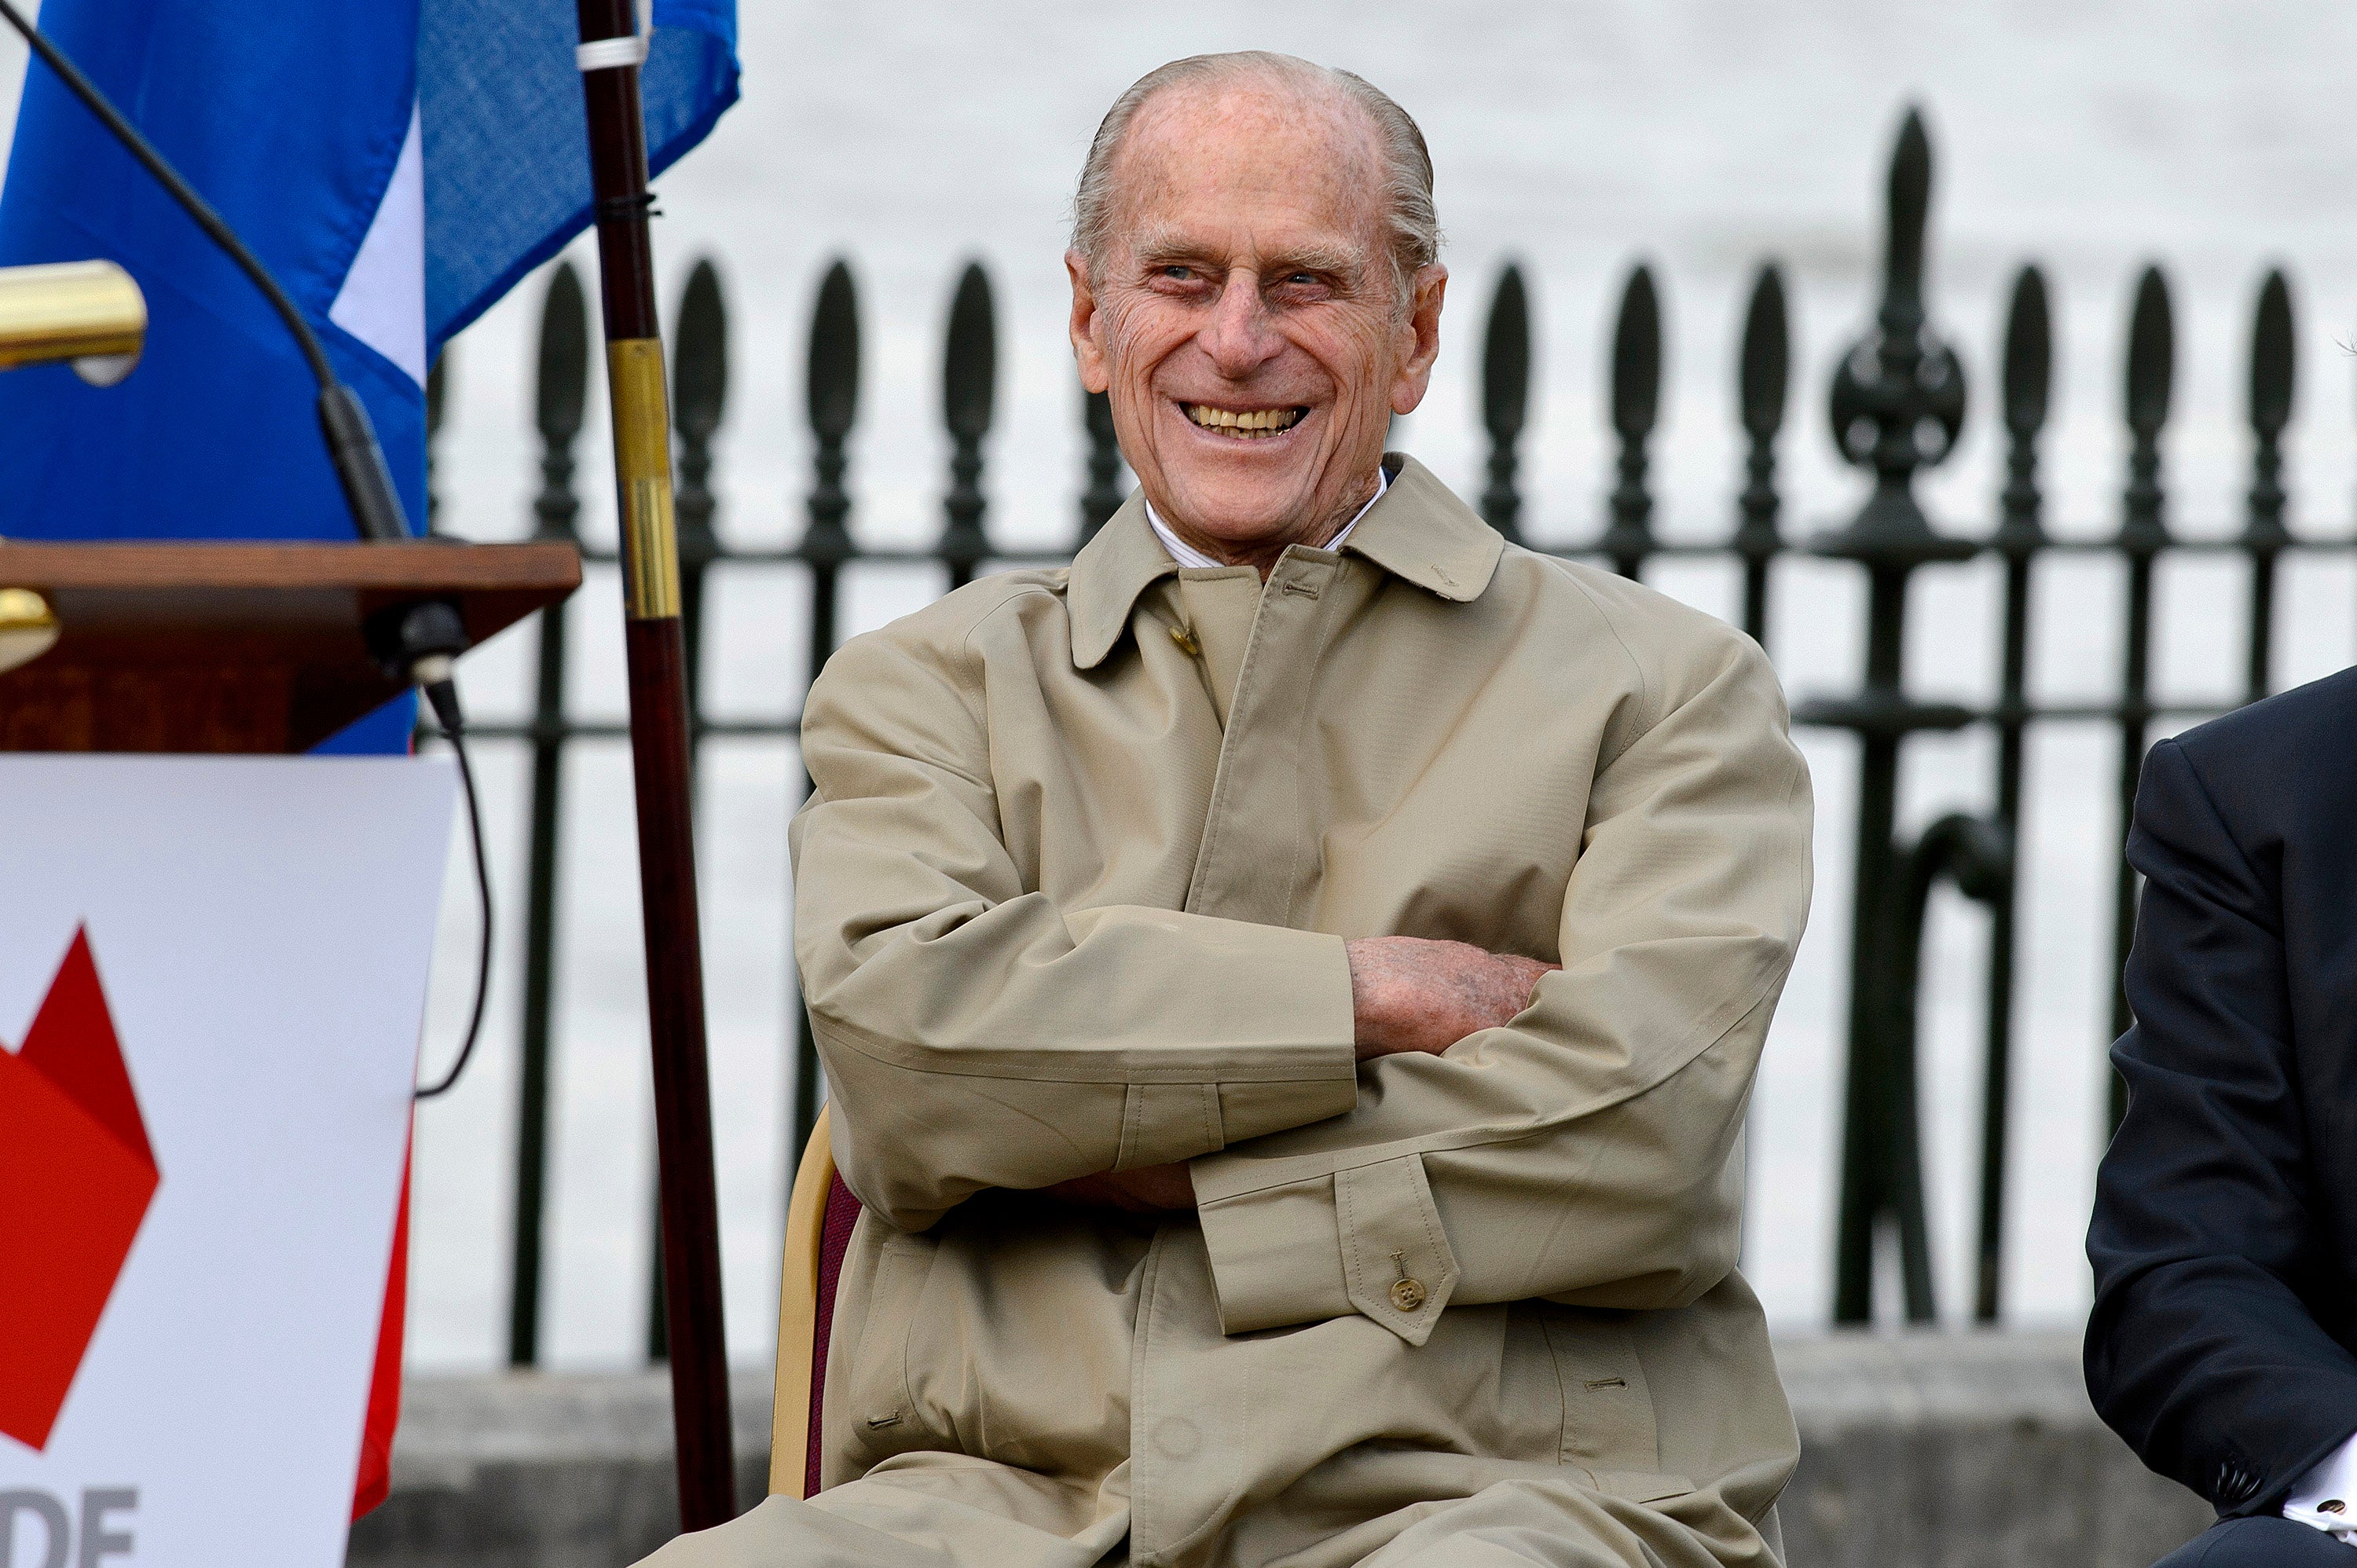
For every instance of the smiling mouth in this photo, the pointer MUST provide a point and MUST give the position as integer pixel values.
(1245, 424)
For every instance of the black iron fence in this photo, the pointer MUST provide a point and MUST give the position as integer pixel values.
(1897, 404)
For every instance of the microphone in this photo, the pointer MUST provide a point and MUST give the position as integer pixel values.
(350, 438)
(419, 653)
(412, 643)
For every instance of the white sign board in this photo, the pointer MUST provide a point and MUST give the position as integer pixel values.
(193, 1242)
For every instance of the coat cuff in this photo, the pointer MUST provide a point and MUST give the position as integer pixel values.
(1303, 996)
(1367, 1240)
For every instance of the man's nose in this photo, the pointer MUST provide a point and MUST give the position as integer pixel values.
(1240, 338)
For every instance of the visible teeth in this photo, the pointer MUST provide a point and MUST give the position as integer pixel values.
(1252, 422)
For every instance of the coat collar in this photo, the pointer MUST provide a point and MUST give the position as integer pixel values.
(1419, 531)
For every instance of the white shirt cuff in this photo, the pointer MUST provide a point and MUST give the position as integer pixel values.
(2326, 1498)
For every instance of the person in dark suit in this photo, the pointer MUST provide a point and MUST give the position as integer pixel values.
(2224, 1236)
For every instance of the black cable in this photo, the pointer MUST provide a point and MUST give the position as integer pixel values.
(343, 418)
(445, 699)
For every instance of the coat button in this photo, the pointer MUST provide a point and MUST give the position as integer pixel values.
(1185, 638)
(1409, 1295)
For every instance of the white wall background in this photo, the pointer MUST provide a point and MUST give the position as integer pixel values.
(1575, 136)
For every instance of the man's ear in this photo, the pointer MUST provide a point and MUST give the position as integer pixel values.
(1087, 352)
(1421, 331)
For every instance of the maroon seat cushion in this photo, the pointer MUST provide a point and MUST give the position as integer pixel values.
(833, 1242)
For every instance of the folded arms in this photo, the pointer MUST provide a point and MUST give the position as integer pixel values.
(1351, 1115)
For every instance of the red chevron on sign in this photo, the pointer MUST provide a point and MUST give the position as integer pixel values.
(76, 1176)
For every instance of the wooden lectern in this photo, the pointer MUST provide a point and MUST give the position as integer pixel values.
(185, 646)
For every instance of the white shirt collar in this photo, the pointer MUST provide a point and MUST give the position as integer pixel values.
(1187, 554)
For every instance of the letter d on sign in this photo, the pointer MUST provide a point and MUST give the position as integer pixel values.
(52, 1514)
(98, 1542)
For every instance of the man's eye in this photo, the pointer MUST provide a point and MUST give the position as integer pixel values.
(1179, 274)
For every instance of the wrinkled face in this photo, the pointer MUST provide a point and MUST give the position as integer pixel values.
(1246, 317)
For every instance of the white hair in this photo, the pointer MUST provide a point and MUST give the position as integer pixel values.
(1412, 222)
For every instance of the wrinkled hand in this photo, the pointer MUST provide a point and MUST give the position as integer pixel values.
(1148, 1189)
(1408, 993)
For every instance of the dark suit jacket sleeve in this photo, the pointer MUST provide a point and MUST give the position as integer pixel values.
(2199, 1351)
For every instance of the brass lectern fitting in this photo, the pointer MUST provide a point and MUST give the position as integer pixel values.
(634, 372)
(89, 312)
(28, 627)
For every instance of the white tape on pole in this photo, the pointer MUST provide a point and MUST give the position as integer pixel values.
(606, 54)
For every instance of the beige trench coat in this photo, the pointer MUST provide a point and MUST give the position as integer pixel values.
(1072, 894)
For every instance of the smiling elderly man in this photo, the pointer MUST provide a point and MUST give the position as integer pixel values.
(1290, 985)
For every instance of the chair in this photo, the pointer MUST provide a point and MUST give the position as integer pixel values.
(818, 1233)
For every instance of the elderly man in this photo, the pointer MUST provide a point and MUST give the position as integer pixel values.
(1290, 985)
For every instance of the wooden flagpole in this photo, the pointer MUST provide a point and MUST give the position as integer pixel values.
(634, 366)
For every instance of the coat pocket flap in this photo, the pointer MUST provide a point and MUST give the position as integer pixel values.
(1640, 1485)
